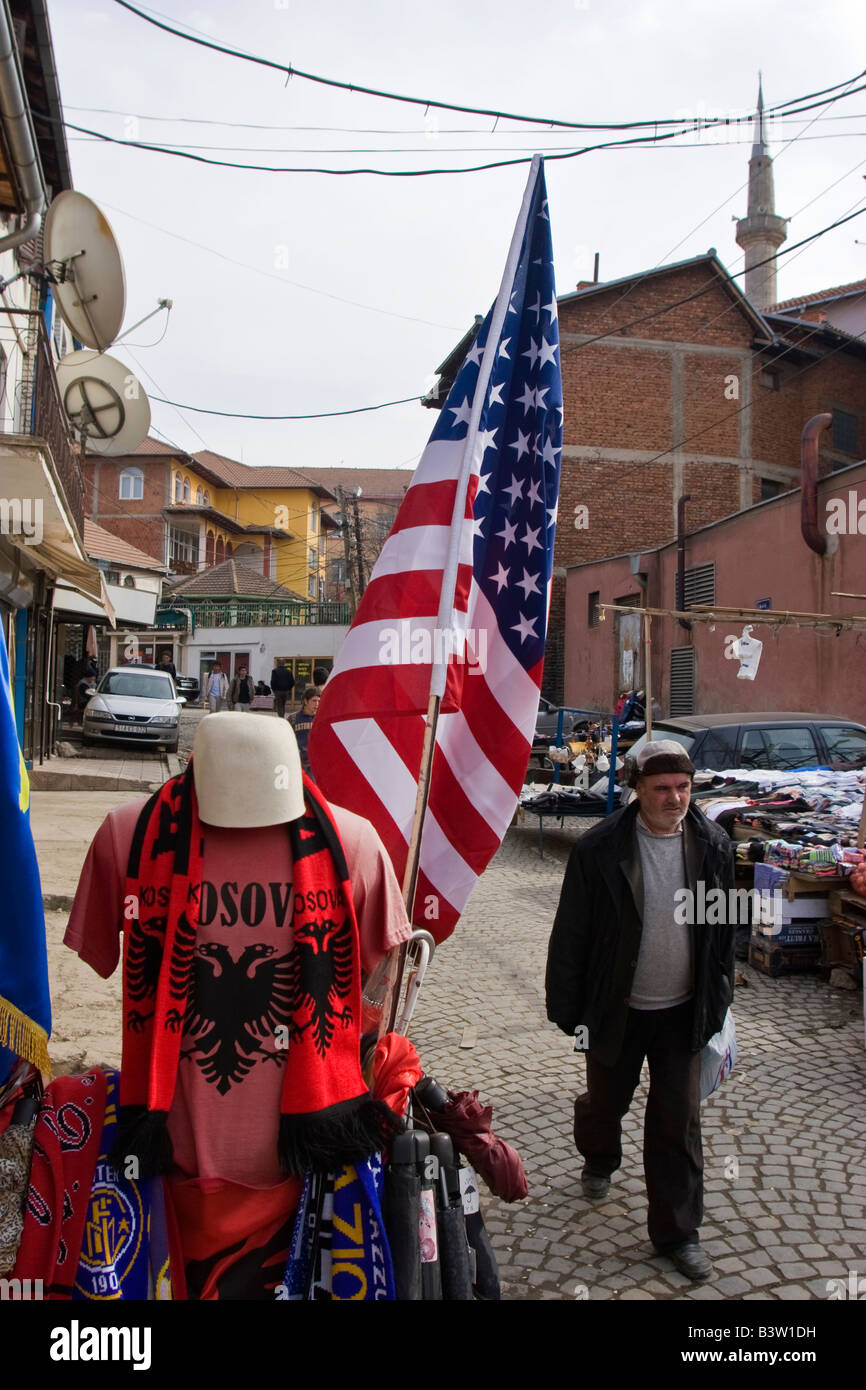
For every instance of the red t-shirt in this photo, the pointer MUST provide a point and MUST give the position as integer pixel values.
(225, 1115)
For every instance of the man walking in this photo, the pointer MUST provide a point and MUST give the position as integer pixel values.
(640, 983)
(282, 684)
(217, 688)
(241, 692)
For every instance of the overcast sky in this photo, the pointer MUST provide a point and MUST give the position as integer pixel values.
(264, 325)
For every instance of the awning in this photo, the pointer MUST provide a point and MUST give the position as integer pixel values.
(45, 531)
(71, 598)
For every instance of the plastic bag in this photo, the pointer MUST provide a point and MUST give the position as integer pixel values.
(719, 1057)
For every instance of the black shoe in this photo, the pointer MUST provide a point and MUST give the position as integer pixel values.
(692, 1261)
(595, 1185)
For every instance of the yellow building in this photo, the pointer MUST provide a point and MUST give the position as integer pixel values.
(196, 510)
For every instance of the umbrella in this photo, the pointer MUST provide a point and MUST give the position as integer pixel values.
(468, 1122)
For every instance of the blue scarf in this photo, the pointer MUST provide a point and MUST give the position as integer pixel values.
(339, 1249)
(125, 1250)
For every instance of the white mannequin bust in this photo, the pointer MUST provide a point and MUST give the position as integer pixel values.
(247, 771)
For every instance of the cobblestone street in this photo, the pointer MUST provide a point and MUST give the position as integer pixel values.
(784, 1146)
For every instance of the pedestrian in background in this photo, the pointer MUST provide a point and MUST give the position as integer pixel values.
(166, 664)
(639, 983)
(242, 692)
(217, 688)
(302, 722)
(282, 684)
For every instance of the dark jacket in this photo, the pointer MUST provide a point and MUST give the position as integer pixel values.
(596, 934)
(282, 680)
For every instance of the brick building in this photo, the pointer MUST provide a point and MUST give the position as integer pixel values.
(675, 385)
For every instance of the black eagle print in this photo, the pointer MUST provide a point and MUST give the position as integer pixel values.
(232, 1005)
(321, 967)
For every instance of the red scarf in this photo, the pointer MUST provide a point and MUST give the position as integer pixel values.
(328, 1117)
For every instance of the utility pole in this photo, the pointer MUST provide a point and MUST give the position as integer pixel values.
(359, 551)
(350, 574)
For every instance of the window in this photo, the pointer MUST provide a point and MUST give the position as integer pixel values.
(198, 497)
(186, 490)
(178, 487)
(128, 581)
(220, 550)
(112, 576)
(312, 586)
(209, 548)
(780, 747)
(206, 499)
(771, 378)
(131, 485)
(771, 487)
(845, 744)
(592, 617)
(182, 547)
(845, 431)
(314, 520)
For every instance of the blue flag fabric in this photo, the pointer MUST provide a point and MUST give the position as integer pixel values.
(25, 1009)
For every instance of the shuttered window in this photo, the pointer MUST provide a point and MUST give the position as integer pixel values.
(682, 694)
(699, 584)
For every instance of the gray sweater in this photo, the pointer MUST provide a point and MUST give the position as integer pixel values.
(663, 977)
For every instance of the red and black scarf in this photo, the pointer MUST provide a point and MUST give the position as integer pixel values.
(327, 1115)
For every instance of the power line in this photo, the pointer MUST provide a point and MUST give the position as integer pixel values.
(318, 415)
(632, 142)
(281, 279)
(362, 130)
(429, 102)
(545, 149)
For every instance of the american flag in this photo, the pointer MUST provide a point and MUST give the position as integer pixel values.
(461, 593)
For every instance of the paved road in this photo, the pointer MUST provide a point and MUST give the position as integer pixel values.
(784, 1140)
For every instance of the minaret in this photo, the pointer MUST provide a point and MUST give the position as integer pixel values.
(761, 232)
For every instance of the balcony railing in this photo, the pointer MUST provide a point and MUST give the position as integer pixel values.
(33, 406)
(262, 613)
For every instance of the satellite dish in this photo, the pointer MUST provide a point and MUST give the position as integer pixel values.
(104, 402)
(83, 259)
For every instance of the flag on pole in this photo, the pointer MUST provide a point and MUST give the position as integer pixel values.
(458, 601)
(25, 1013)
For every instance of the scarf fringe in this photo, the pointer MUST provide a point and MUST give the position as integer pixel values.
(142, 1135)
(22, 1036)
(324, 1141)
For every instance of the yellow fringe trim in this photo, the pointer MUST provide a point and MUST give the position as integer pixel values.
(24, 1037)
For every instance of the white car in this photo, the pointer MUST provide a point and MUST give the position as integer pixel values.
(133, 704)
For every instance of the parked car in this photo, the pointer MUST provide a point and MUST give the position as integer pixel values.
(773, 740)
(188, 687)
(133, 704)
(548, 719)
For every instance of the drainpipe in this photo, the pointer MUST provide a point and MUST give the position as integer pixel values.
(809, 483)
(681, 557)
(15, 114)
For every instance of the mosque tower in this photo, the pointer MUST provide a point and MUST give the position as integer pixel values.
(761, 232)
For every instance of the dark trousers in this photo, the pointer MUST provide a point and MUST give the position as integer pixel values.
(280, 702)
(672, 1155)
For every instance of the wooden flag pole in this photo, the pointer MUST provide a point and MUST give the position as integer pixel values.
(413, 861)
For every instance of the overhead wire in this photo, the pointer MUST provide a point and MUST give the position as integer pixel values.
(281, 279)
(290, 71)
